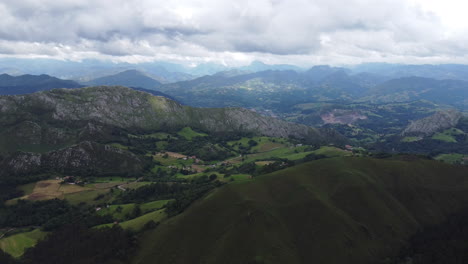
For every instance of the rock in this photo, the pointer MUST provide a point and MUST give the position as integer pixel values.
(126, 108)
(439, 121)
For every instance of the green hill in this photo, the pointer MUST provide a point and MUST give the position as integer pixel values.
(340, 210)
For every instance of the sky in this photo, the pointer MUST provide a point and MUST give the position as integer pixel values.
(234, 33)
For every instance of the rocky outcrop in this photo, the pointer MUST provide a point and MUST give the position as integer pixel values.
(429, 125)
(82, 159)
(126, 108)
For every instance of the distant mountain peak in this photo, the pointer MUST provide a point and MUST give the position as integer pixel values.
(129, 78)
(24, 84)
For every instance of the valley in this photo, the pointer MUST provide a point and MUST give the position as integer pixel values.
(244, 177)
(233, 132)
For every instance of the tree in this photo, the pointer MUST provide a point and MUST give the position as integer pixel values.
(252, 143)
(136, 211)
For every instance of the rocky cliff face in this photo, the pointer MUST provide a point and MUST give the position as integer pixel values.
(429, 125)
(84, 158)
(125, 108)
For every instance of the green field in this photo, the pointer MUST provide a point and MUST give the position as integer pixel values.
(444, 137)
(87, 197)
(151, 206)
(119, 146)
(27, 188)
(331, 152)
(295, 153)
(241, 177)
(263, 143)
(118, 212)
(451, 158)
(121, 211)
(138, 223)
(448, 135)
(189, 134)
(15, 245)
(411, 139)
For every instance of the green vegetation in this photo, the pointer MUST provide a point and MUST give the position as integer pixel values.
(189, 134)
(27, 188)
(452, 158)
(122, 212)
(150, 206)
(137, 224)
(77, 244)
(411, 139)
(327, 204)
(15, 245)
(444, 137)
(119, 211)
(448, 135)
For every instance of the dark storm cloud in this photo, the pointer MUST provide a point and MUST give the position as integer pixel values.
(290, 30)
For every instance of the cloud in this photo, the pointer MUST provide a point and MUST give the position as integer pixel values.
(278, 31)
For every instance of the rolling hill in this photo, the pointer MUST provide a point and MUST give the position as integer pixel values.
(341, 210)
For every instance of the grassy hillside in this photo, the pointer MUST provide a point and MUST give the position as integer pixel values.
(340, 210)
(15, 245)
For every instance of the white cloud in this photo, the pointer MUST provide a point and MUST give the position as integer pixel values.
(235, 32)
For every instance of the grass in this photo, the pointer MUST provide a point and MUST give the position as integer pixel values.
(331, 152)
(119, 146)
(172, 158)
(113, 179)
(444, 137)
(138, 223)
(150, 206)
(451, 158)
(118, 212)
(158, 135)
(295, 153)
(448, 135)
(75, 194)
(411, 139)
(336, 210)
(121, 211)
(27, 188)
(241, 177)
(189, 134)
(50, 189)
(87, 197)
(263, 163)
(15, 245)
(263, 143)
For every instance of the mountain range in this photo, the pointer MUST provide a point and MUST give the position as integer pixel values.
(53, 120)
(184, 172)
(32, 83)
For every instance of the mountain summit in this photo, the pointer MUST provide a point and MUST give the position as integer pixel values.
(130, 78)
